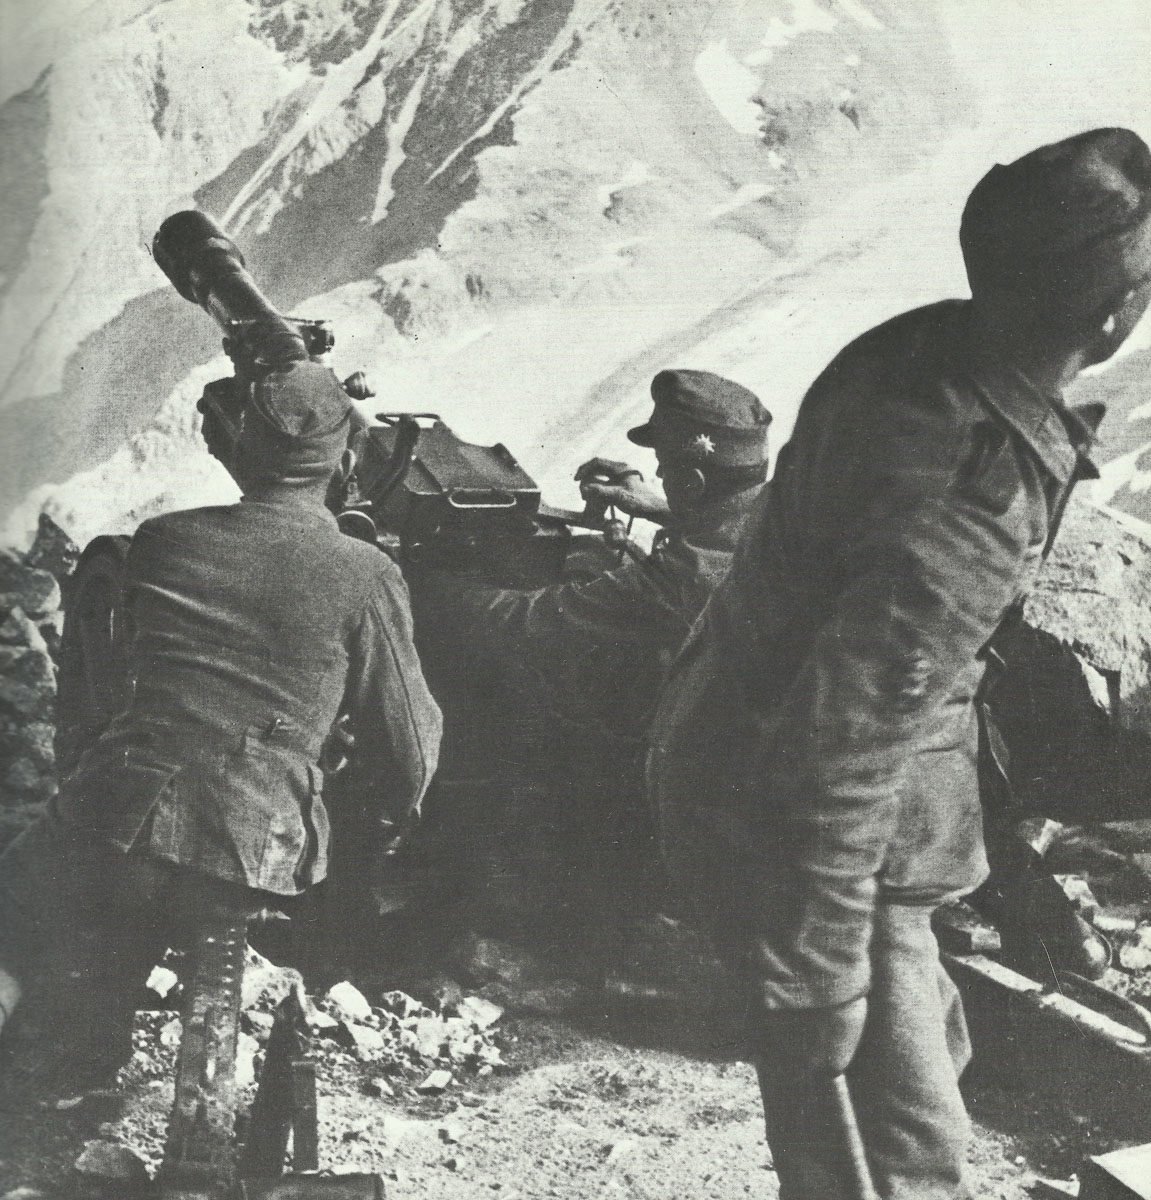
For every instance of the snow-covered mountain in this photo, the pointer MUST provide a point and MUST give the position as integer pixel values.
(512, 211)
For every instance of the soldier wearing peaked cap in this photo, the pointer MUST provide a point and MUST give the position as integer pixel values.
(709, 435)
(584, 658)
(814, 755)
(705, 419)
(254, 628)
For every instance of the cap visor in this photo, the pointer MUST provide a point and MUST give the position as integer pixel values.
(640, 435)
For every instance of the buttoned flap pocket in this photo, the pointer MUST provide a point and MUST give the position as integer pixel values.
(289, 826)
(241, 815)
(939, 829)
(276, 781)
(989, 473)
(116, 789)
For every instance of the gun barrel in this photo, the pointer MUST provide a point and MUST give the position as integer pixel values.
(206, 267)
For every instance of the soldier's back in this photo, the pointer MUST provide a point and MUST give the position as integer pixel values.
(241, 619)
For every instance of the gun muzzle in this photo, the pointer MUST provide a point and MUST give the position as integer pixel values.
(206, 267)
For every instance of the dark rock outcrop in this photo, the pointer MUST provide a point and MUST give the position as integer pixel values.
(1075, 704)
(30, 623)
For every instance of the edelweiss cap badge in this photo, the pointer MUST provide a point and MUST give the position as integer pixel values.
(703, 418)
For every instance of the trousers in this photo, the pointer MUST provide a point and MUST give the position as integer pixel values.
(82, 924)
(904, 1081)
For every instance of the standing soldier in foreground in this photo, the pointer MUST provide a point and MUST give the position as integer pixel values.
(814, 756)
(252, 628)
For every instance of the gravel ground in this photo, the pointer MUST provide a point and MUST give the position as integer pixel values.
(578, 1110)
(563, 1094)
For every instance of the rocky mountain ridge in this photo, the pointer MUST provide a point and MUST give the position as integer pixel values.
(513, 211)
(501, 204)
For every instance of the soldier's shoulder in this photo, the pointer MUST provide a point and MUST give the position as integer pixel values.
(912, 343)
(367, 563)
(896, 391)
(183, 520)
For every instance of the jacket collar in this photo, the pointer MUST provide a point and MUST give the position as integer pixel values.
(288, 512)
(721, 525)
(1060, 437)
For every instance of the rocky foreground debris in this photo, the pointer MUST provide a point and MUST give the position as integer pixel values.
(386, 1053)
(1075, 702)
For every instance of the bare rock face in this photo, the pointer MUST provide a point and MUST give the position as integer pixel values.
(458, 187)
(1075, 705)
(30, 619)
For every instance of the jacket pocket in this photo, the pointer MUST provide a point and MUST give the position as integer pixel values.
(938, 844)
(242, 816)
(115, 790)
(270, 808)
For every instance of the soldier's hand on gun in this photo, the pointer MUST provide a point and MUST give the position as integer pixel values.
(609, 482)
(819, 1041)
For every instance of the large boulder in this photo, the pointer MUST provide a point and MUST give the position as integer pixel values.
(1075, 703)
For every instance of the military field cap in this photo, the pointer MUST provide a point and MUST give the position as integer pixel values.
(1067, 225)
(296, 425)
(706, 419)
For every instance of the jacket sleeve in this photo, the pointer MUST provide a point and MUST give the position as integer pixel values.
(943, 551)
(653, 601)
(393, 718)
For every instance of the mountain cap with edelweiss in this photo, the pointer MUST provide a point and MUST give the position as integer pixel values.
(705, 419)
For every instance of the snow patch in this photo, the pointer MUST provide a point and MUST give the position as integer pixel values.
(327, 95)
(395, 157)
(861, 15)
(807, 16)
(615, 257)
(546, 63)
(164, 466)
(749, 193)
(729, 86)
(637, 173)
(1122, 473)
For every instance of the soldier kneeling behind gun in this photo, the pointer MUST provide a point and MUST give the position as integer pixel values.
(584, 657)
(254, 627)
(709, 435)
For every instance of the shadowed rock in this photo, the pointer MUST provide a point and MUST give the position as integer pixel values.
(1075, 704)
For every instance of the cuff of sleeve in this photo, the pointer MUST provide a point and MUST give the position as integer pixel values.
(812, 991)
(818, 956)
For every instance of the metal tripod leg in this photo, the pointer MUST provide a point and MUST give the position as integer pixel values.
(286, 1100)
(199, 1155)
